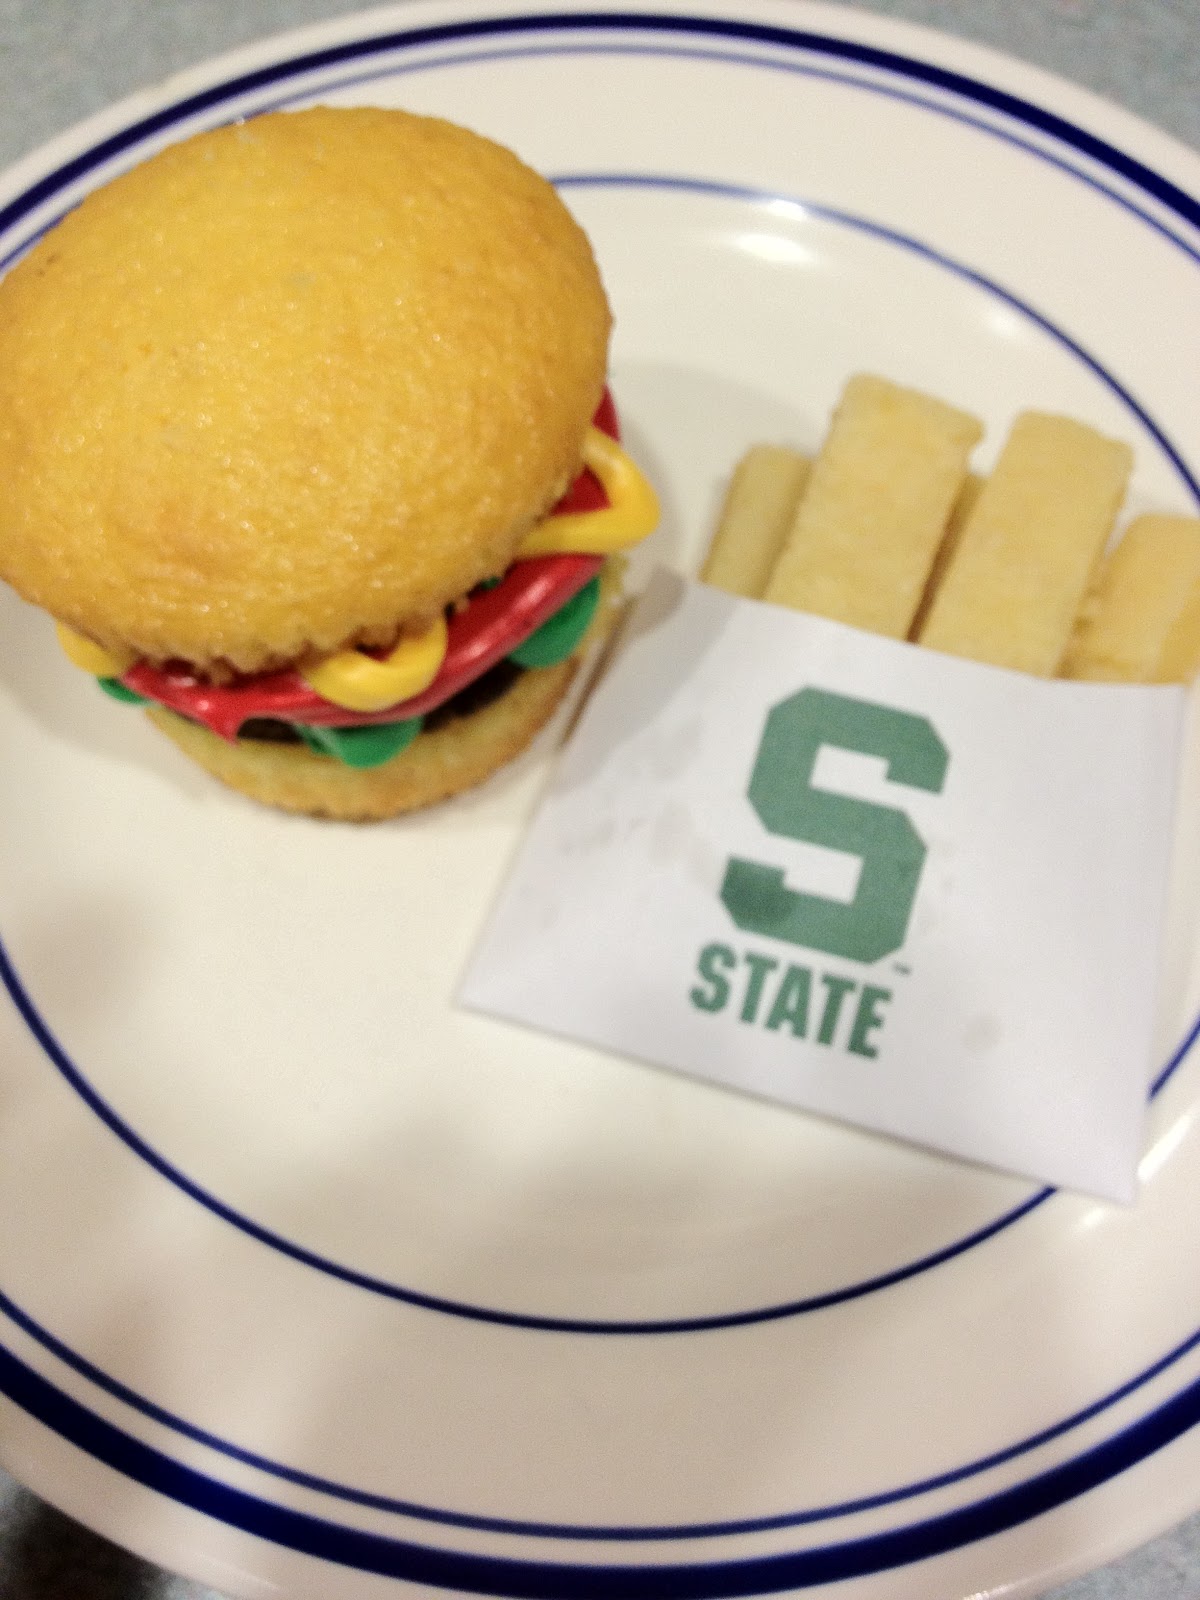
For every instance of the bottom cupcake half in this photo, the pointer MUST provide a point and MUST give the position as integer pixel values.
(456, 753)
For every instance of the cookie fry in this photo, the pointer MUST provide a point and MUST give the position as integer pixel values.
(759, 506)
(1140, 622)
(1011, 591)
(871, 520)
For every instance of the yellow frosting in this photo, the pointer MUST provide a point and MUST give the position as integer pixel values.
(361, 683)
(631, 514)
(83, 653)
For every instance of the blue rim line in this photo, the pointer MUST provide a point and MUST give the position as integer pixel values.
(764, 63)
(586, 1531)
(917, 247)
(1058, 128)
(428, 1302)
(534, 1580)
(726, 57)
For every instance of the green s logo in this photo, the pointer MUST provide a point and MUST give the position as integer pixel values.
(875, 922)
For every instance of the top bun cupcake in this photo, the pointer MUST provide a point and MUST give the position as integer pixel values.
(290, 389)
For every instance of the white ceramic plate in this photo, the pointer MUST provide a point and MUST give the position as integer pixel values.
(307, 1280)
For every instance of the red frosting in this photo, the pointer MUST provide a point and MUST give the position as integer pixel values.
(492, 624)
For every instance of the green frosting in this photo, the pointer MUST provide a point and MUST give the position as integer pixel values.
(368, 746)
(560, 634)
(117, 689)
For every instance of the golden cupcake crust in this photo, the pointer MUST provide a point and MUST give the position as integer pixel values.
(290, 385)
(439, 763)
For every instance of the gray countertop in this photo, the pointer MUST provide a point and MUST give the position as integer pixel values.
(61, 59)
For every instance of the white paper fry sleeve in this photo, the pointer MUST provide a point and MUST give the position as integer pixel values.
(858, 877)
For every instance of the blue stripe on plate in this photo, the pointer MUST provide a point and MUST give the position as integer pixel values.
(457, 1308)
(476, 1574)
(914, 246)
(1046, 122)
(792, 65)
(598, 1531)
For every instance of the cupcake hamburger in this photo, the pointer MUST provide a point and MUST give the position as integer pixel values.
(306, 446)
